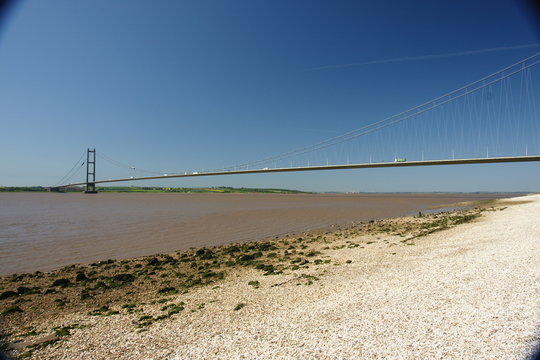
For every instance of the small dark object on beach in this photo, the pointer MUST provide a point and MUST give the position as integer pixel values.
(247, 257)
(23, 290)
(61, 282)
(16, 277)
(81, 276)
(154, 262)
(124, 277)
(11, 309)
(85, 295)
(63, 331)
(239, 306)
(173, 309)
(250, 257)
(167, 290)
(100, 311)
(7, 294)
(60, 302)
(101, 285)
(26, 290)
(232, 249)
(205, 254)
(211, 274)
(269, 269)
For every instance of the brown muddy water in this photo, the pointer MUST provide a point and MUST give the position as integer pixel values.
(44, 231)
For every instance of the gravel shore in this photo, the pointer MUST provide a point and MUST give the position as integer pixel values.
(467, 292)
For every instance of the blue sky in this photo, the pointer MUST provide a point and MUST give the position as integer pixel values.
(178, 86)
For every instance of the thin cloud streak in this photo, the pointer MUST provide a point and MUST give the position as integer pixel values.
(424, 57)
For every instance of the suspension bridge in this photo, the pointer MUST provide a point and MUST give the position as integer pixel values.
(490, 120)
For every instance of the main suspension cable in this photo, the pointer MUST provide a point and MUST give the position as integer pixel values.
(65, 177)
(365, 129)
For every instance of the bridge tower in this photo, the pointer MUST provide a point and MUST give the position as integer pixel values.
(90, 171)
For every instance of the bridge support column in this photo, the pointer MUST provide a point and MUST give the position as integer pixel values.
(90, 188)
(90, 172)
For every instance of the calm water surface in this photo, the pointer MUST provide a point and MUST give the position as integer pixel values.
(43, 231)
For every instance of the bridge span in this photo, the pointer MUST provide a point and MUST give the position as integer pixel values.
(496, 113)
(487, 160)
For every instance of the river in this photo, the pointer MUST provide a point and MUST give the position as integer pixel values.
(44, 231)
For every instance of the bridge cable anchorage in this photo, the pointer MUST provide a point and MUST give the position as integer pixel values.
(416, 110)
(67, 177)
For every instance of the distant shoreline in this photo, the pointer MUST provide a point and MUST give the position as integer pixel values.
(227, 190)
(160, 189)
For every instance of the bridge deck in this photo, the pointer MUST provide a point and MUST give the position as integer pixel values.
(331, 167)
